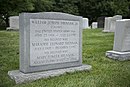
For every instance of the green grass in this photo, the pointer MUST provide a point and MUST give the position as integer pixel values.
(105, 73)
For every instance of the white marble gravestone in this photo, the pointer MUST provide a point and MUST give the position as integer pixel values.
(85, 23)
(110, 23)
(107, 24)
(113, 22)
(50, 43)
(13, 23)
(121, 48)
(94, 25)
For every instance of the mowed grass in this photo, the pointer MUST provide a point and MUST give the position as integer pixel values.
(105, 72)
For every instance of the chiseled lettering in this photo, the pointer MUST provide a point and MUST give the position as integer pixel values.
(39, 44)
(39, 22)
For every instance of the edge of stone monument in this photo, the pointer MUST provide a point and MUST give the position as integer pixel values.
(121, 56)
(20, 77)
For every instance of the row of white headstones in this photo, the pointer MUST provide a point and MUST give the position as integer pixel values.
(110, 23)
(14, 23)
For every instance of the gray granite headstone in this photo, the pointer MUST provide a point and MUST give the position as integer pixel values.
(121, 48)
(101, 21)
(49, 41)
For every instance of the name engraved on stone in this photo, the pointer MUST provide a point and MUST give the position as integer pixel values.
(53, 41)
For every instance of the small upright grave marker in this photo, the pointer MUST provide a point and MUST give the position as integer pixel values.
(85, 23)
(94, 25)
(13, 23)
(107, 24)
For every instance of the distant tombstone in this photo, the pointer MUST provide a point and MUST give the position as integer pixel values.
(110, 23)
(113, 22)
(50, 42)
(85, 23)
(121, 48)
(101, 21)
(107, 24)
(13, 23)
(94, 25)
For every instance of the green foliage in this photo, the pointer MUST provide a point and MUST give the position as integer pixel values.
(120, 7)
(67, 6)
(43, 5)
(13, 7)
(96, 8)
(105, 72)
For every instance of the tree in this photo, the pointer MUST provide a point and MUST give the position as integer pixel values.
(43, 5)
(67, 6)
(93, 9)
(89, 9)
(13, 7)
(120, 7)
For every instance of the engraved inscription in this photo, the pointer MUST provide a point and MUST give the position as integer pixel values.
(53, 41)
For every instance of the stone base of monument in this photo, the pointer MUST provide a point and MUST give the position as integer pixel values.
(20, 77)
(121, 56)
(9, 29)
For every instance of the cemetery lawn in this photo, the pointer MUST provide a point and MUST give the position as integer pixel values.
(105, 72)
